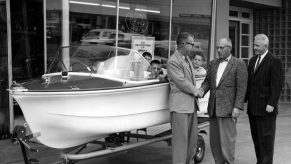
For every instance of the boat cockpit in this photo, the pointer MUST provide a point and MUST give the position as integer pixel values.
(87, 67)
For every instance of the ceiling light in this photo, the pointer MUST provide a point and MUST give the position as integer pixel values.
(85, 3)
(110, 6)
(123, 7)
(146, 10)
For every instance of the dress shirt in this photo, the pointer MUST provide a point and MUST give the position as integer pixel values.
(221, 68)
(199, 71)
(262, 57)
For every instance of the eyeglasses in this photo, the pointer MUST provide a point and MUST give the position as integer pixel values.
(192, 44)
(221, 47)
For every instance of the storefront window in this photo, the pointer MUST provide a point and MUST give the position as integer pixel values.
(4, 99)
(27, 39)
(53, 27)
(143, 25)
(92, 22)
(194, 17)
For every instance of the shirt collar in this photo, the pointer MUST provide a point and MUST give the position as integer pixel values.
(197, 69)
(262, 56)
(228, 58)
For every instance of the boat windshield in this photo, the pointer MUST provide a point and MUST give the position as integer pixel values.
(103, 60)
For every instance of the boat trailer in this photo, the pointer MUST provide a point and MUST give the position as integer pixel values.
(112, 144)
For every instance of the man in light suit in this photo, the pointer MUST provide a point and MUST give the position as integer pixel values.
(264, 87)
(182, 102)
(227, 81)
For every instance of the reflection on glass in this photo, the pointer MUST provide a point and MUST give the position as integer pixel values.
(146, 27)
(245, 28)
(26, 39)
(99, 36)
(53, 27)
(4, 98)
(244, 52)
(195, 17)
(245, 40)
(143, 25)
(92, 22)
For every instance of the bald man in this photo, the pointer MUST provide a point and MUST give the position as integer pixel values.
(264, 87)
(226, 80)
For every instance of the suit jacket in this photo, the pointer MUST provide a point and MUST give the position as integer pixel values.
(231, 88)
(264, 85)
(182, 84)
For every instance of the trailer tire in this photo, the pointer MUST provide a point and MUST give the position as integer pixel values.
(200, 151)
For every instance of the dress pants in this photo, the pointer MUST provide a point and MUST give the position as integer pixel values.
(222, 139)
(184, 137)
(263, 131)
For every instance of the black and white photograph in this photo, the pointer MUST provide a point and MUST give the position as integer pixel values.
(145, 81)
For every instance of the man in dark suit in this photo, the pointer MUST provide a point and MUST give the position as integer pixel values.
(183, 103)
(227, 81)
(264, 87)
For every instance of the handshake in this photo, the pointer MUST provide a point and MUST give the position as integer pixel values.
(200, 93)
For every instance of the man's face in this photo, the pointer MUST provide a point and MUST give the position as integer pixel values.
(197, 61)
(189, 44)
(259, 47)
(223, 49)
(156, 68)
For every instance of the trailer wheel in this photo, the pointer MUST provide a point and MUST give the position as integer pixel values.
(200, 151)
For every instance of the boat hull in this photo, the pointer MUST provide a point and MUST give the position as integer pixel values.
(67, 119)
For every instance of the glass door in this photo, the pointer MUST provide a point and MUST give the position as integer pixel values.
(241, 33)
(234, 36)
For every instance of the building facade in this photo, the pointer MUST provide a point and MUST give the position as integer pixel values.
(31, 31)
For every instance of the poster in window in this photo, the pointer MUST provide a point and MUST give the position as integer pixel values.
(143, 44)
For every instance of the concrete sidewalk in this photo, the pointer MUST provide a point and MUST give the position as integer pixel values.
(160, 153)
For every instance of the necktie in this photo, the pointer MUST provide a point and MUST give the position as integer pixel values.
(258, 62)
(188, 62)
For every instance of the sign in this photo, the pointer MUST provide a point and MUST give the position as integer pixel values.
(136, 22)
(143, 44)
(194, 15)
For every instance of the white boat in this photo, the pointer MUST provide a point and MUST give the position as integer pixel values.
(105, 91)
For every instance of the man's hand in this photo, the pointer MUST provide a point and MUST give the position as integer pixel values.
(235, 114)
(200, 93)
(164, 71)
(269, 108)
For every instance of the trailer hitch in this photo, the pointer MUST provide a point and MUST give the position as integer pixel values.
(19, 136)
